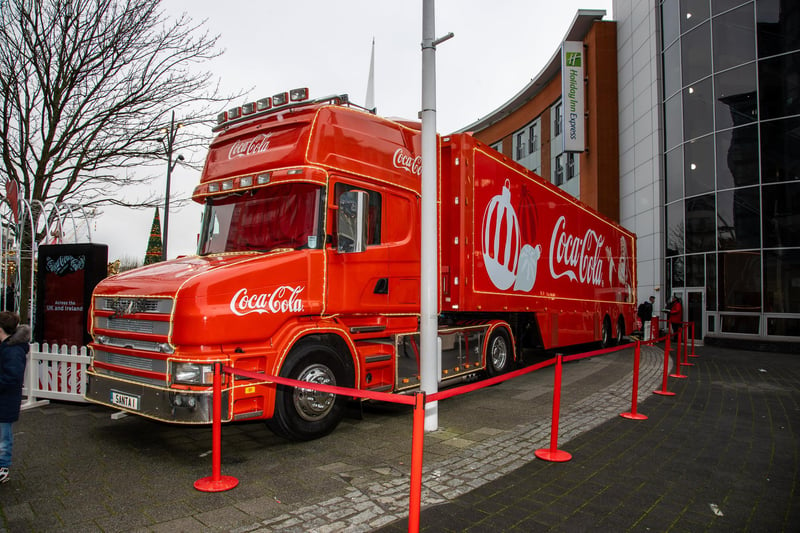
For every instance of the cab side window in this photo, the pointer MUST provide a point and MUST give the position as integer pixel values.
(375, 210)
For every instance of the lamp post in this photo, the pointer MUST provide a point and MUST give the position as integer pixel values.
(169, 141)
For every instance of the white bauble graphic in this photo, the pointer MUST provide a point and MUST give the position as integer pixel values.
(501, 240)
(526, 274)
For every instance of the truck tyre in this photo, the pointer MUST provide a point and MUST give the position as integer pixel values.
(304, 414)
(499, 354)
(620, 330)
(605, 334)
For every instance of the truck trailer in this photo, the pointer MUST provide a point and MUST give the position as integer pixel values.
(308, 267)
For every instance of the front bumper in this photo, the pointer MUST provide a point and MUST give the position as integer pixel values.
(160, 403)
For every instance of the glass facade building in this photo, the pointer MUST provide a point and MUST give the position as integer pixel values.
(730, 99)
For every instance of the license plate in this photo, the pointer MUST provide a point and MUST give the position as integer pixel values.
(128, 401)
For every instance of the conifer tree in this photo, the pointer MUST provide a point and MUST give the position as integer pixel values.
(153, 254)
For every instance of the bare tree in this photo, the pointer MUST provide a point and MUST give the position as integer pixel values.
(88, 87)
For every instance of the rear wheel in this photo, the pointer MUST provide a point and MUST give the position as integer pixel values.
(605, 334)
(305, 414)
(620, 330)
(499, 354)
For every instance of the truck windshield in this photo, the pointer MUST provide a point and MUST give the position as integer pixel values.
(284, 215)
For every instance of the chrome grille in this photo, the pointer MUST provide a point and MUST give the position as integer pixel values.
(132, 304)
(131, 344)
(133, 326)
(128, 361)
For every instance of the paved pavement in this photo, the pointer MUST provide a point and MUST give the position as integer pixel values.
(723, 454)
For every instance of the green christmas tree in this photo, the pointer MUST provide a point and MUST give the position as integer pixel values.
(153, 254)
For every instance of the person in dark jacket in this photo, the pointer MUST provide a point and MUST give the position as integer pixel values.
(13, 357)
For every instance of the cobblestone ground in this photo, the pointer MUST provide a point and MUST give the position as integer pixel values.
(77, 469)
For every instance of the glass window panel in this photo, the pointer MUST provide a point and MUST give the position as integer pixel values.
(673, 123)
(778, 26)
(672, 69)
(670, 21)
(780, 211)
(695, 270)
(780, 150)
(674, 173)
(720, 6)
(675, 228)
(735, 100)
(785, 327)
(701, 230)
(696, 54)
(698, 166)
(698, 109)
(693, 12)
(782, 281)
(737, 157)
(740, 324)
(676, 278)
(734, 38)
(738, 219)
(779, 86)
(711, 282)
(740, 281)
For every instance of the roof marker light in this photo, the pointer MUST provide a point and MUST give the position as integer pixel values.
(280, 99)
(222, 117)
(298, 95)
(248, 108)
(213, 187)
(263, 104)
(263, 178)
(234, 113)
(227, 185)
(245, 181)
(294, 171)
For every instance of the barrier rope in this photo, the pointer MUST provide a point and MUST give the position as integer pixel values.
(217, 482)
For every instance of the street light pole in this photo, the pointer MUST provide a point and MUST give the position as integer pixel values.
(169, 141)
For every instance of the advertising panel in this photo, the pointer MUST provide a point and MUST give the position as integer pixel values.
(572, 57)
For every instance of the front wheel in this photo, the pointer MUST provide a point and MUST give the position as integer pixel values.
(620, 331)
(499, 353)
(305, 414)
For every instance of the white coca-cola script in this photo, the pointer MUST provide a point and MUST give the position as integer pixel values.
(284, 299)
(576, 257)
(404, 160)
(256, 145)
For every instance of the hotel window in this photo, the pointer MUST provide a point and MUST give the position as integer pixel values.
(570, 166)
(533, 140)
(558, 178)
(558, 120)
(520, 145)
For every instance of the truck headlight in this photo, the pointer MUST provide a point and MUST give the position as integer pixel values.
(192, 374)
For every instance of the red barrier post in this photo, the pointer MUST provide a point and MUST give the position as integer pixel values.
(678, 361)
(553, 453)
(686, 345)
(693, 354)
(216, 482)
(417, 445)
(664, 391)
(633, 415)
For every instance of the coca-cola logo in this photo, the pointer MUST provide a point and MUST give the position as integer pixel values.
(404, 160)
(284, 299)
(577, 258)
(256, 145)
(66, 264)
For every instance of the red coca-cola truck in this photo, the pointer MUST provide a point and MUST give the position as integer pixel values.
(308, 267)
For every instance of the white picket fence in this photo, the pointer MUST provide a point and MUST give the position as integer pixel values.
(55, 373)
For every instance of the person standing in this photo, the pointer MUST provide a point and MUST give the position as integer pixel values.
(675, 314)
(14, 348)
(645, 313)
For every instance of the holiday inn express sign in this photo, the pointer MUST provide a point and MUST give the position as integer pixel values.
(572, 95)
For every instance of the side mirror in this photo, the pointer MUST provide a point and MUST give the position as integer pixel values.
(352, 222)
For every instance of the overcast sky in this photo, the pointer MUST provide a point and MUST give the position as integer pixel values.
(271, 46)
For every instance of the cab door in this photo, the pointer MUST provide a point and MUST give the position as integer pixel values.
(357, 281)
